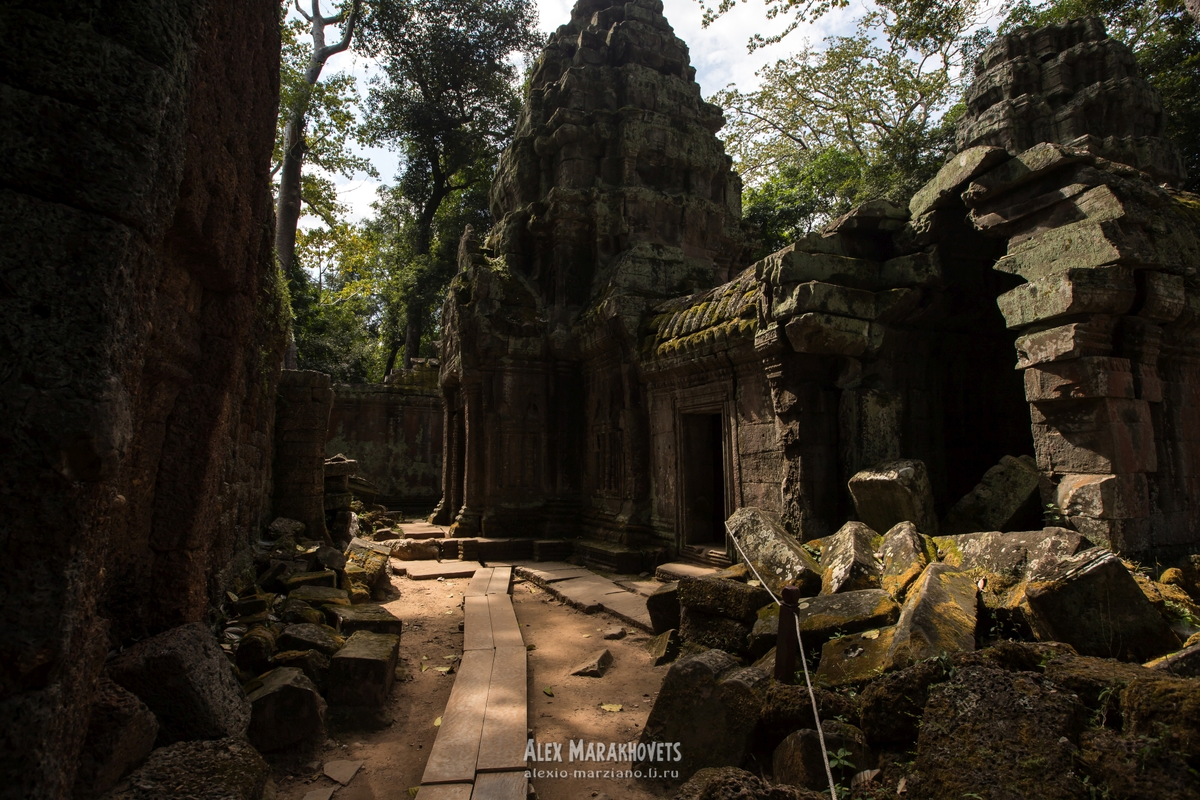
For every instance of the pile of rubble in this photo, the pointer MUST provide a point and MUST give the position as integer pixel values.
(301, 643)
(946, 665)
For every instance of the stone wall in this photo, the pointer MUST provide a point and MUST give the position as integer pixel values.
(394, 431)
(141, 321)
(301, 421)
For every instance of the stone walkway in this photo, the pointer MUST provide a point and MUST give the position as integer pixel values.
(583, 589)
(479, 753)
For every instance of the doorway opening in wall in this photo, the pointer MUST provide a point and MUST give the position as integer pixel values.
(702, 480)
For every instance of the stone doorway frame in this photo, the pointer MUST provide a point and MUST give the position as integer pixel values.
(712, 402)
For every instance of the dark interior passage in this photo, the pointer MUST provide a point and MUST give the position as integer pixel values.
(703, 479)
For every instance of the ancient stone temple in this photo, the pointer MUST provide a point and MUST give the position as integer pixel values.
(614, 369)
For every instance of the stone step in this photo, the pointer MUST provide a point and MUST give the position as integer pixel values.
(612, 557)
(677, 570)
(432, 570)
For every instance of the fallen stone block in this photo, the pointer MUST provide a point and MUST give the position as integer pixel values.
(905, 553)
(286, 708)
(1080, 379)
(254, 651)
(793, 264)
(1103, 496)
(891, 707)
(894, 492)
(372, 558)
(362, 673)
(614, 633)
(1065, 342)
(708, 706)
(724, 598)
(988, 728)
(774, 552)
(1126, 767)
(710, 630)
(788, 708)
(1091, 602)
(663, 607)
(331, 558)
(222, 769)
(324, 578)
(713, 783)
(414, 550)
(1183, 663)
(320, 595)
(298, 611)
(1005, 499)
(121, 733)
(345, 527)
(183, 676)
(663, 648)
(305, 636)
(376, 619)
(938, 617)
(313, 663)
(595, 665)
(1097, 682)
(848, 560)
(945, 187)
(799, 761)
(1097, 290)
(1167, 709)
(1080, 245)
(823, 617)
(855, 659)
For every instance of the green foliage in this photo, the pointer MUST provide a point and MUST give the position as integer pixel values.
(1164, 38)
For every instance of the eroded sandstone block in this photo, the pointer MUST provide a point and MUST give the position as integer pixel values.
(848, 560)
(663, 607)
(774, 552)
(222, 769)
(285, 708)
(893, 492)
(121, 733)
(828, 615)
(1006, 497)
(725, 598)
(365, 617)
(938, 616)
(905, 553)
(362, 673)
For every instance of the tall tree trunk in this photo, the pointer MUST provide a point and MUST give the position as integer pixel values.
(393, 351)
(412, 337)
(287, 215)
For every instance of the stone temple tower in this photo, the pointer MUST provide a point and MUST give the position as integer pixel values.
(614, 195)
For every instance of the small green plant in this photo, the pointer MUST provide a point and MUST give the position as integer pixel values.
(841, 759)
(1047, 657)
(1100, 717)
(1053, 515)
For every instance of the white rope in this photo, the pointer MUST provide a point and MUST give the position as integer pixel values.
(803, 660)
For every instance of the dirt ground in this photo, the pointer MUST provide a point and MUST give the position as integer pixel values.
(394, 757)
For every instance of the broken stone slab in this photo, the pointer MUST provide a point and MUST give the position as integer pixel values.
(1006, 498)
(282, 526)
(869, 217)
(340, 465)
(709, 630)
(362, 673)
(218, 769)
(855, 659)
(892, 492)
(313, 663)
(1097, 682)
(988, 727)
(945, 187)
(1091, 602)
(365, 617)
(305, 636)
(774, 552)
(354, 583)
(723, 598)
(298, 611)
(813, 296)
(825, 616)
(826, 334)
(1098, 290)
(1008, 559)
(848, 560)
(342, 771)
(663, 648)
(371, 558)
(184, 677)
(938, 617)
(913, 270)
(1103, 496)
(792, 265)
(799, 760)
(1080, 245)
(331, 558)
(663, 607)
(710, 707)
(892, 705)
(614, 633)
(1080, 379)
(121, 732)
(414, 550)
(1066, 342)
(1036, 162)
(905, 553)
(326, 578)
(254, 650)
(788, 708)
(319, 595)
(1167, 708)
(286, 708)
(595, 665)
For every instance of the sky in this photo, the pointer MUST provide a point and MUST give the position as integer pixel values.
(718, 53)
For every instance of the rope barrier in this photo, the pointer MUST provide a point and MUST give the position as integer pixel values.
(803, 660)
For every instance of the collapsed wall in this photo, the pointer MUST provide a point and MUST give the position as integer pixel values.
(142, 322)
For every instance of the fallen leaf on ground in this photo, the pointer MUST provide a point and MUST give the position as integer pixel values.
(424, 667)
(611, 706)
(548, 692)
(412, 791)
(451, 657)
(444, 670)
(587, 636)
(437, 723)
(527, 647)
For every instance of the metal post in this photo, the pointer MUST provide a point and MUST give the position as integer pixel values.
(785, 642)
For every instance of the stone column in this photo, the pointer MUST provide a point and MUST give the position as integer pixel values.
(467, 521)
(444, 512)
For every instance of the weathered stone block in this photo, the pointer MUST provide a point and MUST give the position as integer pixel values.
(339, 465)
(1037, 161)
(1091, 602)
(848, 560)
(961, 169)
(663, 648)
(304, 636)
(814, 296)
(1121, 535)
(414, 549)
(1081, 245)
(377, 619)
(1010, 557)
(1168, 708)
(1065, 342)
(286, 708)
(792, 265)
(1113, 447)
(724, 598)
(856, 659)
(1183, 663)
(892, 705)
(318, 595)
(1163, 296)
(282, 526)
(774, 552)
(663, 607)
(710, 707)
(372, 558)
(595, 665)
(823, 617)
(710, 630)
(313, 663)
(1098, 290)
(799, 760)
(917, 269)
(362, 672)
(186, 680)
(121, 733)
(223, 769)
(826, 334)
(1078, 379)
(938, 617)
(1103, 496)
(905, 553)
(1007, 497)
(894, 492)
(255, 649)
(325, 578)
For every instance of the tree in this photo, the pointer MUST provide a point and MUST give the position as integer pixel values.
(447, 100)
(1165, 40)
(298, 92)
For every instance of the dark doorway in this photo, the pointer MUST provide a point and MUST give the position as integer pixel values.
(702, 465)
